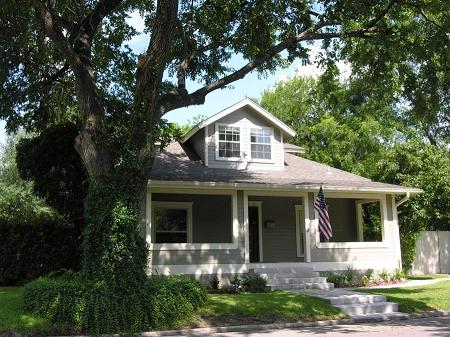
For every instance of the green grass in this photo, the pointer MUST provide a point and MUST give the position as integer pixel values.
(271, 307)
(14, 318)
(416, 299)
(426, 277)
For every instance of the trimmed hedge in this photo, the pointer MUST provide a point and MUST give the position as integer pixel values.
(96, 307)
(31, 250)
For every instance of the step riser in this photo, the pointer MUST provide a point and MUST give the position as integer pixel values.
(289, 275)
(276, 281)
(369, 308)
(323, 286)
(281, 270)
(363, 299)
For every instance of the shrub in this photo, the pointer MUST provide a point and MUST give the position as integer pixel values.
(399, 274)
(98, 307)
(336, 278)
(254, 283)
(384, 276)
(214, 283)
(30, 250)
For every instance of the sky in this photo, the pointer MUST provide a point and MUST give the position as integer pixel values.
(251, 86)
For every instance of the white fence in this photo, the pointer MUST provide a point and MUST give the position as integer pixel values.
(432, 253)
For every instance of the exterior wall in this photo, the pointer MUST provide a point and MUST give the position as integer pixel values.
(354, 252)
(161, 260)
(343, 211)
(211, 216)
(279, 243)
(432, 253)
(246, 119)
(198, 144)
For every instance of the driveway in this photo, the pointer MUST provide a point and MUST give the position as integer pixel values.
(432, 326)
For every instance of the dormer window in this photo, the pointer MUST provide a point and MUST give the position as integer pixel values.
(261, 143)
(229, 141)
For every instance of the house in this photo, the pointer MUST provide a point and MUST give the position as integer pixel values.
(234, 195)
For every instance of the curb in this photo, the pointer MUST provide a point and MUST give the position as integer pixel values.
(274, 326)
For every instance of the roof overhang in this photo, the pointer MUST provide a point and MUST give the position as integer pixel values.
(279, 187)
(245, 102)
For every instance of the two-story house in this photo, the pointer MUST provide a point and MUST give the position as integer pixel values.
(234, 195)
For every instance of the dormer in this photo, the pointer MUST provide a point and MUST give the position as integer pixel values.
(243, 136)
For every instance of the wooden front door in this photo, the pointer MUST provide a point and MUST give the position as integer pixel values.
(253, 235)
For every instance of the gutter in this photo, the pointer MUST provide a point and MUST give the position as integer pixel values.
(403, 200)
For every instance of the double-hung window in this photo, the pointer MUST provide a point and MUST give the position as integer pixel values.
(229, 138)
(172, 222)
(260, 142)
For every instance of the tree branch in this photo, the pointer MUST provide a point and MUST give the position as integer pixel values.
(382, 14)
(51, 29)
(56, 75)
(175, 101)
(91, 22)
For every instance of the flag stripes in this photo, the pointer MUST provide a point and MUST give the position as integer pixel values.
(324, 219)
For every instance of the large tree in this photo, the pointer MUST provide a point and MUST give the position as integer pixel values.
(71, 55)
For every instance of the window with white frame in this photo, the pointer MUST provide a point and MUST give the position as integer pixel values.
(260, 142)
(229, 141)
(172, 222)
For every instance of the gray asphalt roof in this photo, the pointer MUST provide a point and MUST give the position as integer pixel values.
(178, 163)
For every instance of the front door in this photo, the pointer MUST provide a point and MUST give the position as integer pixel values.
(253, 233)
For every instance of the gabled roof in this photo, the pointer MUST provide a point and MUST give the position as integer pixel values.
(245, 102)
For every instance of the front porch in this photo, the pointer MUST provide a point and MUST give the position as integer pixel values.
(205, 231)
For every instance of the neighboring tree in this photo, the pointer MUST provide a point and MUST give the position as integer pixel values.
(52, 163)
(60, 56)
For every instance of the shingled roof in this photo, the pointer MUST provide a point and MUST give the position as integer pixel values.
(177, 164)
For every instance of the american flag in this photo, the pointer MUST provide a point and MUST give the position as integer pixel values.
(324, 219)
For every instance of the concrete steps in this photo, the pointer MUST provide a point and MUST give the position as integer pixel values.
(287, 278)
(356, 304)
(368, 308)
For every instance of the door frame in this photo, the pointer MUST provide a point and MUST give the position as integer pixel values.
(258, 204)
(303, 196)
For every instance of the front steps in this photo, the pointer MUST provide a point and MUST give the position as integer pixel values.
(306, 281)
(357, 305)
(288, 278)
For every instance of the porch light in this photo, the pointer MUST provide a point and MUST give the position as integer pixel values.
(269, 224)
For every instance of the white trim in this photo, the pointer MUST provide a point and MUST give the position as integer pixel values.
(221, 269)
(384, 223)
(193, 246)
(272, 144)
(260, 227)
(216, 136)
(206, 145)
(235, 107)
(298, 230)
(396, 232)
(307, 228)
(282, 150)
(246, 229)
(279, 187)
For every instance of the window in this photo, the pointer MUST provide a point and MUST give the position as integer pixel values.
(260, 140)
(229, 141)
(355, 220)
(172, 222)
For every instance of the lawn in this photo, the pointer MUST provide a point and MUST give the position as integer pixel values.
(417, 299)
(271, 307)
(14, 318)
